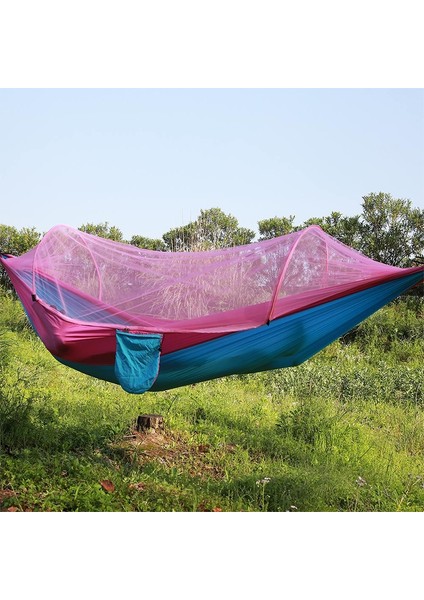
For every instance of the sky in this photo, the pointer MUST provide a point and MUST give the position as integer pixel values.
(147, 160)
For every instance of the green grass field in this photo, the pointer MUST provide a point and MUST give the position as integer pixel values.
(342, 432)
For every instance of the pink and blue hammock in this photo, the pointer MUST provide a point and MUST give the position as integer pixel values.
(157, 320)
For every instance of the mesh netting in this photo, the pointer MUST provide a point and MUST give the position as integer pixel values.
(93, 279)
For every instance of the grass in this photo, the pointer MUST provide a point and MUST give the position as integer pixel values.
(342, 432)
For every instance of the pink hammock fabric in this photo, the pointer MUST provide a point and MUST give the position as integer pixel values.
(80, 289)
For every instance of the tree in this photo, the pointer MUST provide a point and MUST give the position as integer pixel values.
(16, 242)
(347, 230)
(392, 230)
(147, 243)
(212, 229)
(275, 227)
(103, 230)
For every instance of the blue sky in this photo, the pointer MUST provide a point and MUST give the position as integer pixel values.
(148, 160)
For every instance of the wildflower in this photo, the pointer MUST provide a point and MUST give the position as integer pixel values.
(263, 481)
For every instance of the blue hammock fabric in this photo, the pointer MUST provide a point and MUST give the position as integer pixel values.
(285, 342)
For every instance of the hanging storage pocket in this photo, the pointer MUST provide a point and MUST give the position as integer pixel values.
(137, 360)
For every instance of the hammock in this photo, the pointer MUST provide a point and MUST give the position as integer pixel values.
(157, 320)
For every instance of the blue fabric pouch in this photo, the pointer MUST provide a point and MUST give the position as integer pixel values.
(137, 360)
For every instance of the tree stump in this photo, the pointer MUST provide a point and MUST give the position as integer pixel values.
(146, 422)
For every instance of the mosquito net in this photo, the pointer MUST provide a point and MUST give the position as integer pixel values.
(92, 279)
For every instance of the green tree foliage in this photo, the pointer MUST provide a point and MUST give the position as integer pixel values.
(347, 230)
(212, 229)
(103, 230)
(15, 241)
(147, 243)
(389, 230)
(392, 230)
(275, 227)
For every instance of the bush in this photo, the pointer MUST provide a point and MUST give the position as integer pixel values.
(400, 320)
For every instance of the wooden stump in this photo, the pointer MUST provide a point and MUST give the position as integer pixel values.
(146, 422)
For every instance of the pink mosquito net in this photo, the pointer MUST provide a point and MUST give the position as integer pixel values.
(91, 279)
